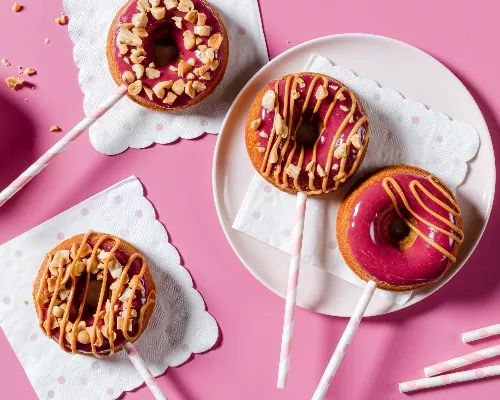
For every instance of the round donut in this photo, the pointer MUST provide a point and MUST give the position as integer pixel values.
(94, 274)
(171, 54)
(401, 227)
(307, 133)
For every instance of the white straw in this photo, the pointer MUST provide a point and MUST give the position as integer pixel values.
(482, 333)
(143, 370)
(449, 379)
(462, 361)
(346, 338)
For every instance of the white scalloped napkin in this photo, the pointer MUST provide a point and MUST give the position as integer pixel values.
(403, 131)
(179, 325)
(130, 125)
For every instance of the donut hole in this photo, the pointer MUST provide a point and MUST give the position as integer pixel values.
(164, 46)
(309, 129)
(93, 293)
(400, 234)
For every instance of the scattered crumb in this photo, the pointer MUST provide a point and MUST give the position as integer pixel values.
(47, 40)
(54, 128)
(29, 71)
(19, 67)
(26, 302)
(62, 20)
(17, 7)
(25, 99)
(13, 82)
(5, 62)
(288, 41)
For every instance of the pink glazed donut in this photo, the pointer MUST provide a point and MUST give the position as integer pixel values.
(401, 227)
(171, 53)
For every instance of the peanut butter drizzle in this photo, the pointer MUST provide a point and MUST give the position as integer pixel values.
(280, 175)
(97, 316)
(454, 210)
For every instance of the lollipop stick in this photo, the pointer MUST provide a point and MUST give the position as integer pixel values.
(143, 370)
(61, 145)
(346, 338)
(291, 293)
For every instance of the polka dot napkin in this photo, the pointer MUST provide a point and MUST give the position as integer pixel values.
(414, 134)
(130, 125)
(179, 326)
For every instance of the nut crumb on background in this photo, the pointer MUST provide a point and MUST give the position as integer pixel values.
(13, 82)
(5, 62)
(47, 40)
(62, 20)
(54, 128)
(29, 71)
(17, 7)
(26, 302)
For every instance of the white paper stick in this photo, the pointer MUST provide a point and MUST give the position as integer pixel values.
(462, 361)
(482, 333)
(449, 379)
(143, 370)
(346, 338)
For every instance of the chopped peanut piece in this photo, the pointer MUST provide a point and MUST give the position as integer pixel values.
(191, 62)
(202, 30)
(143, 5)
(51, 284)
(83, 337)
(178, 87)
(183, 68)
(140, 20)
(356, 141)
(293, 171)
(13, 82)
(185, 5)
(152, 73)
(79, 268)
(136, 59)
(123, 49)
(321, 93)
(190, 76)
(351, 119)
(264, 135)
(129, 38)
(295, 94)
(268, 100)
(29, 71)
(158, 12)
(178, 22)
(207, 55)
(17, 7)
(273, 157)
(172, 68)
(340, 96)
(191, 16)
(213, 65)
(189, 90)
(202, 19)
(320, 170)
(159, 88)
(47, 40)
(57, 312)
(139, 70)
(198, 86)
(54, 128)
(5, 62)
(140, 32)
(301, 83)
(215, 41)
(149, 93)
(62, 20)
(154, 3)
(134, 89)
(255, 124)
(199, 40)
(205, 76)
(261, 149)
(344, 108)
(341, 151)
(201, 71)
(189, 40)
(170, 98)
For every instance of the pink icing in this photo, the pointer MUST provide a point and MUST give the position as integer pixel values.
(337, 117)
(371, 244)
(157, 28)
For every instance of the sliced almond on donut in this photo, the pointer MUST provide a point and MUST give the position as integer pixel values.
(140, 20)
(128, 77)
(213, 65)
(199, 86)
(215, 41)
(202, 19)
(340, 96)
(321, 93)
(185, 5)
(127, 37)
(159, 88)
(152, 73)
(255, 123)
(178, 87)
(140, 32)
(344, 108)
(183, 68)
(192, 16)
(292, 171)
(320, 170)
(264, 135)
(189, 90)
(356, 141)
(202, 30)
(268, 100)
(189, 40)
(178, 22)
(139, 70)
(123, 49)
(341, 151)
(273, 157)
(170, 98)
(143, 5)
(148, 92)
(170, 4)
(134, 89)
(158, 12)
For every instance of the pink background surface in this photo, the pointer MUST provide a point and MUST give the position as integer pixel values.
(386, 349)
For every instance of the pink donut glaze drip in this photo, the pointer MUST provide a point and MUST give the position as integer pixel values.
(337, 117)
(176, 35)
(371, 245)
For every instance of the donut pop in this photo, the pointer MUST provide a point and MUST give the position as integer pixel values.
(306, 134)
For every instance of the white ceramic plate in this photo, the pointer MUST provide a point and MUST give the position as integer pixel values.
(392, 64)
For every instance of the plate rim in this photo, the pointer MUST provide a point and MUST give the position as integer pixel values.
(297, 48)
